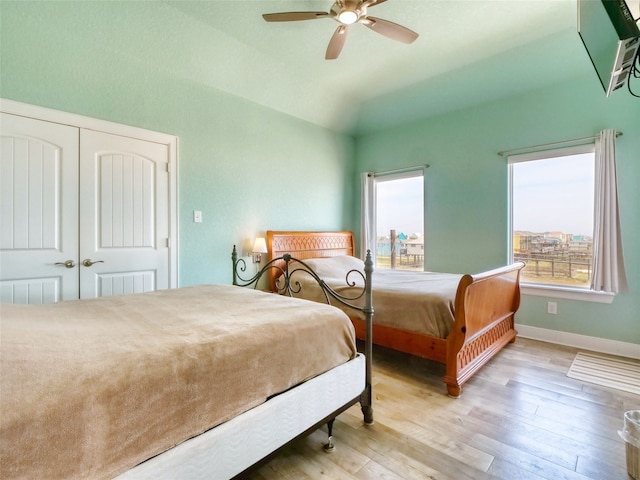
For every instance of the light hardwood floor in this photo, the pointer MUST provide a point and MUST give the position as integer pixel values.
(520, 417)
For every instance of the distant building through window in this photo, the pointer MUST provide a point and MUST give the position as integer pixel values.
(552, 205)
(399, 220)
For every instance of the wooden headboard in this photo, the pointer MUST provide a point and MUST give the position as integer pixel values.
(307, 245)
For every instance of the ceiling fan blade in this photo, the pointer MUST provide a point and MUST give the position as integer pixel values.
(372, 3)
(336, 43)
(293, 16)
(389, 29)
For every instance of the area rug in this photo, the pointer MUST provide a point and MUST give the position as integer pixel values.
(606, 371)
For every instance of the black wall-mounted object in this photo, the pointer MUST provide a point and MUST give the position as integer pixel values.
(611, 38)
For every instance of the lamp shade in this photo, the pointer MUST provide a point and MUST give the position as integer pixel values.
(260, 246)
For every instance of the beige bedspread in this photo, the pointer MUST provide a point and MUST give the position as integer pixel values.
(415, 301)
(420, 302)
(91, 388)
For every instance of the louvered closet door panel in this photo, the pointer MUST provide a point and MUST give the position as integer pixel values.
(124, 215)
(38, 210)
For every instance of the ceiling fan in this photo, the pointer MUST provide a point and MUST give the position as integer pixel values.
(348, 12)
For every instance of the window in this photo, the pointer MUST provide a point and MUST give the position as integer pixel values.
(397, 211)
(552, 215)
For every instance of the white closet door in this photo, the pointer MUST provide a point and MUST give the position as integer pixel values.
(38, 211)
(124, 215)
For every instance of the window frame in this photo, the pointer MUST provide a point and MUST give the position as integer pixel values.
(549, 290)
(411, 172)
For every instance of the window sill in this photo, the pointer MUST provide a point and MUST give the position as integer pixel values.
(566, 293)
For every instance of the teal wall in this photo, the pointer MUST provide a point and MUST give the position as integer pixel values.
(249, 168)
(466, 195)
(246, 167)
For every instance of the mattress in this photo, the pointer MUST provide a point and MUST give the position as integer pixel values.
(228, 449)
(421, 302)
(91, 388)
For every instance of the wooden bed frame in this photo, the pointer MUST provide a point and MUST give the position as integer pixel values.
(485, 306)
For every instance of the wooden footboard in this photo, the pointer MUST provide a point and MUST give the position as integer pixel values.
(484, 322)
(485, 305)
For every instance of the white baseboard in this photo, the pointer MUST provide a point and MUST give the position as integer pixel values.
(595, 344)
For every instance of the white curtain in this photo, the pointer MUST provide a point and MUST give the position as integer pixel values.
(367, 233)
(608, 266)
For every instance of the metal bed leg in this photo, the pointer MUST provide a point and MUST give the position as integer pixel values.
(366, 407)
(366, 399)
(329, 447)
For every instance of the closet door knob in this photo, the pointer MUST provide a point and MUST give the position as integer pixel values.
(68, 263)
(87, 262)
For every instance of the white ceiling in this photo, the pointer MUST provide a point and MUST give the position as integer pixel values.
(468, 51)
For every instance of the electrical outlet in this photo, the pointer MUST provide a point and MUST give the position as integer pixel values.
(197, 216)
(552, 308)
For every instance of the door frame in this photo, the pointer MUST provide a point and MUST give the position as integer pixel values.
(80, 121)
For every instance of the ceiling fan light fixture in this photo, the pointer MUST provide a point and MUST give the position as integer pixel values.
(347, 17)
(346, 13)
